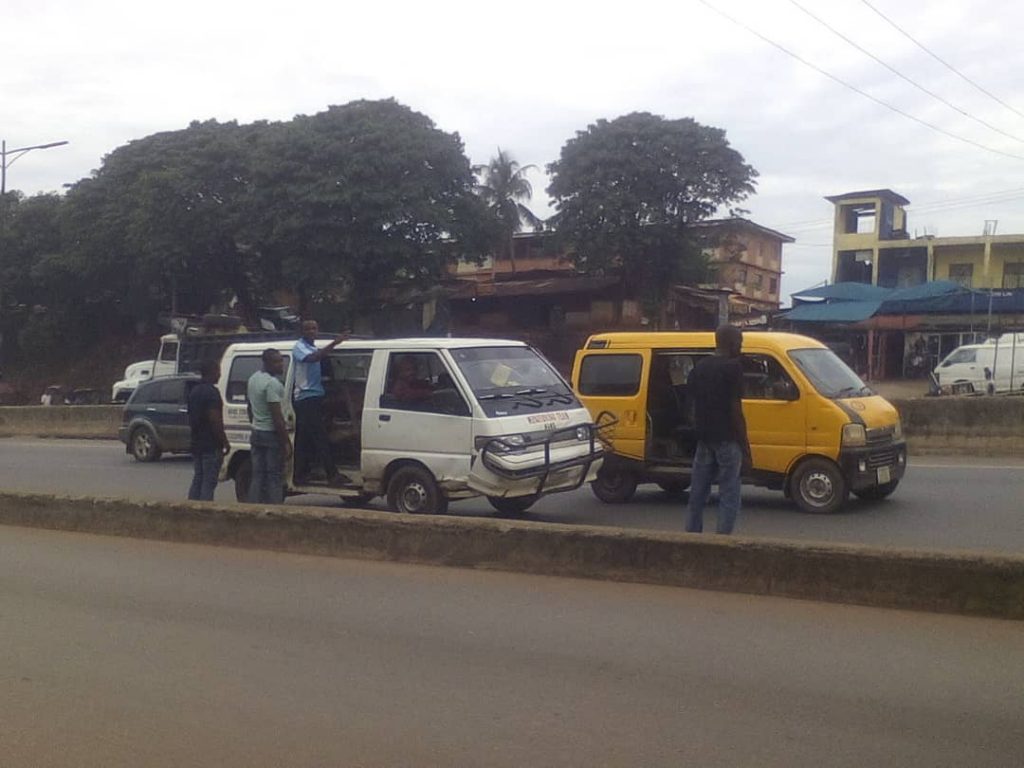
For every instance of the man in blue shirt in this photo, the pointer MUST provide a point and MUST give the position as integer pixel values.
(311, 442)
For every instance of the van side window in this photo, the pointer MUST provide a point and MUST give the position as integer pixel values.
(961, 356)
(764, 378)
(344, 380)
(610, 375)
(242, 367)
(165, 392)
(419, 381)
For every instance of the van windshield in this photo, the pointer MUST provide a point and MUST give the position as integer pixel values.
(829, 375)
(508, 380)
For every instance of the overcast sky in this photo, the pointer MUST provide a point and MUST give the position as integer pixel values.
(526, 76)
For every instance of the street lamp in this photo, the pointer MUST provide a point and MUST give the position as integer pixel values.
(15, 154)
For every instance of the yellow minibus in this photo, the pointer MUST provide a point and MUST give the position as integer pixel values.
(816, 431)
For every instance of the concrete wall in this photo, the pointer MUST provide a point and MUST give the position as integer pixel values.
(977, 584)
(976, 425)
(100, 421)
(968, 425)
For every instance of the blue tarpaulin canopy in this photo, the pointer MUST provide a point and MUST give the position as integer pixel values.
(856, 302)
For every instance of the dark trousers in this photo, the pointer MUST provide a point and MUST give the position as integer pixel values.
(312, 447)
(267, 484)
(205, 470)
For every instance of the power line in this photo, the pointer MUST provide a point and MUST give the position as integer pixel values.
(855, 89)
(939, 59)
(900, 75)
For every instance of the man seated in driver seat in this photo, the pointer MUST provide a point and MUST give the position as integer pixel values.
(406, 387)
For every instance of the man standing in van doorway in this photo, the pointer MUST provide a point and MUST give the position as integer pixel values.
(716, 384)
(312, 446)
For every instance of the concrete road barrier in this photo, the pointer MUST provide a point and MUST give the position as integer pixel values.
(979, 584)
(92, 421)
(957, 425)
(964, 425)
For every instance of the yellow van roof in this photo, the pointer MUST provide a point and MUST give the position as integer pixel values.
(772, 340)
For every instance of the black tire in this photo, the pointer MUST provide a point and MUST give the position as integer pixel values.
(675, 487)
(143, 445)
(243, 478)
(877, 492)
(818, 487)
(614, 486)
(413, 490)
(514, 505)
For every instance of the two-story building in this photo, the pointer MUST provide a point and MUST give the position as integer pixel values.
(872, 244)
(898, 304)
(539, 295)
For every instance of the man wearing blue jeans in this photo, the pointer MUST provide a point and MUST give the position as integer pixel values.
(268, 440)
(206, 424)
(716, 384)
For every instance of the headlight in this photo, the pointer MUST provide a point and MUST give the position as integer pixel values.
(501, 443)
(854, 435)
(582, 433)
(897, 431)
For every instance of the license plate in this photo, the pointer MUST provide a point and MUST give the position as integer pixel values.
(884, 475)
(550, 420)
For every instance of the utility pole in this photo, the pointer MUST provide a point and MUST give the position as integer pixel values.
(14, 154)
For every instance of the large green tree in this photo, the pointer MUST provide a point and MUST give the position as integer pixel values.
(506, 190)
(361, 199)
(628, 191)
(163, 220)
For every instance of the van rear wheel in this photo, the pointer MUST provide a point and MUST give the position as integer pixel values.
(818, 487)
(615, 485)
(413, 491)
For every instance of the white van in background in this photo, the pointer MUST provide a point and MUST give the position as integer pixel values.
(492, 418)
(996, 365)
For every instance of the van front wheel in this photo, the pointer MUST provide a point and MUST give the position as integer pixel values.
(414, 491)
(818, 486)
(513, 505)
(614, 485)
(878, 491)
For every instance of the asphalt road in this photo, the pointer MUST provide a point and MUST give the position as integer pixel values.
(943, 503)
(119, 652)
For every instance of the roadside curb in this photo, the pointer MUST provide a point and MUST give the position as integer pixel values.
(979, 584)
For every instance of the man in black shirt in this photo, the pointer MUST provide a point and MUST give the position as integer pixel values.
(716, 384)
(209, 443)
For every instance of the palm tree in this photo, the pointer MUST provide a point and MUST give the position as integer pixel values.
(505, 190)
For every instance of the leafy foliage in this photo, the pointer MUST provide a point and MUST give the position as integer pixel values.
(627, 192)
(505, 190)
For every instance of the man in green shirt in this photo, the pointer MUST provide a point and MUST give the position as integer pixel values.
(268, 440)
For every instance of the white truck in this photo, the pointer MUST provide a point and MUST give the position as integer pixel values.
(496, 419)
(996, 365)
(182, 354)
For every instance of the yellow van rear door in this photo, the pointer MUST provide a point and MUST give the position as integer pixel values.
(775, 411)
(612, 384)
